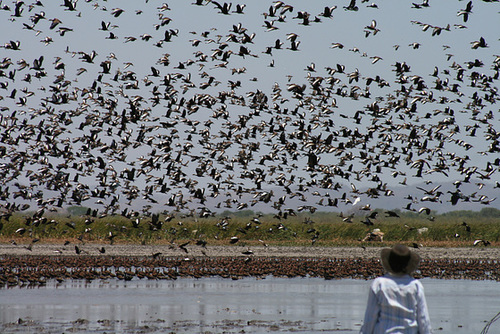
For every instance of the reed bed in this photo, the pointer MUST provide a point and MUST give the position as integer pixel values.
(458, 229)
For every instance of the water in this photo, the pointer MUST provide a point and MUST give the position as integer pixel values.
(215, 305)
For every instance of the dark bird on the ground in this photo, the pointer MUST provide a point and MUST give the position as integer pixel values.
(483, 242)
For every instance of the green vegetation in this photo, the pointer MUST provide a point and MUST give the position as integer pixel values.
(459, 228)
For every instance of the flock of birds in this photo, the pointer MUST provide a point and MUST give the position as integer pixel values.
(201, 135)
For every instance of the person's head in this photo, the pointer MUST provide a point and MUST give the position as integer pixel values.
(399, 260)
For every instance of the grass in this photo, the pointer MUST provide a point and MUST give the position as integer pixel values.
(325, 228)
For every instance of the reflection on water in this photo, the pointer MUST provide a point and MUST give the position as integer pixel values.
(214, 305)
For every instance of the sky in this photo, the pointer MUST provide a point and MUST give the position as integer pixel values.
(254, 147)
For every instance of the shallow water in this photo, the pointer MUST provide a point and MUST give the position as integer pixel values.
(215, 305)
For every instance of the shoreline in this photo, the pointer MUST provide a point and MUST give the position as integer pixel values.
(370, 252)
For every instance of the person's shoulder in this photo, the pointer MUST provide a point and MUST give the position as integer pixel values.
(418, 283)
(382, 280)
(395, 279)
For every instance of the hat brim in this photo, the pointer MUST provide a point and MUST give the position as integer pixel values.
(412, 265)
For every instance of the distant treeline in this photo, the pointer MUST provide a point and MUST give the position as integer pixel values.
(485, 212)
(320, 215)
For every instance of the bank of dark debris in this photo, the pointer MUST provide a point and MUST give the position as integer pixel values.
(37, 270)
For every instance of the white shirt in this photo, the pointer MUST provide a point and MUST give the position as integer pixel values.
(396, 304)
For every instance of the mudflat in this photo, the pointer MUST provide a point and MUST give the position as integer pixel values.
(237, 251)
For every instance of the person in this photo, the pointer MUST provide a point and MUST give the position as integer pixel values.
(396, 301)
